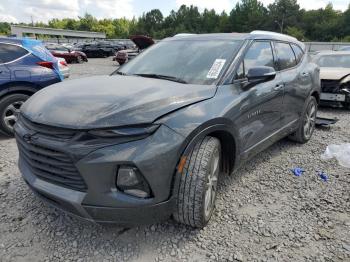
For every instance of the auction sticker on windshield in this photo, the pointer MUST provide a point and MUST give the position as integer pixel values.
(216, 68)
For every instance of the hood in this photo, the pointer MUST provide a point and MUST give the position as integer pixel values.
(110, 101)
(142, 42)
(333, 73)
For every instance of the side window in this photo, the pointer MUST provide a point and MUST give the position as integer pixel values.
(259, 54)
(285, 54)
(298, 53)
(9, 53)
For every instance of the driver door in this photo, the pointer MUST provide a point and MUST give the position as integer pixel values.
(261, 104)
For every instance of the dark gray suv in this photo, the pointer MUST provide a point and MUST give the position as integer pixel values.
(149, 141)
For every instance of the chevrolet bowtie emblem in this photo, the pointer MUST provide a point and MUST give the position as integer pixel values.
(28, 138)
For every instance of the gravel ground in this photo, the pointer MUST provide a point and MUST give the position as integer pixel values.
(264, 213)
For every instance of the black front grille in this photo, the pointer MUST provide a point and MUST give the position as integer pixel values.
(49, 164)
(49, 131)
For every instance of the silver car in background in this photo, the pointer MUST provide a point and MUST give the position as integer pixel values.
(335, 77)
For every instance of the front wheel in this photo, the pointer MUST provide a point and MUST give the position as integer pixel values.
(196, 184)
(307, 122)
(9, 109)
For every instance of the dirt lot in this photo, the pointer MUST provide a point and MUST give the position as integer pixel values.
(264, 213)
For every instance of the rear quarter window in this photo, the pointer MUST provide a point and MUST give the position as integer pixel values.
(9, 53)
(298, 53)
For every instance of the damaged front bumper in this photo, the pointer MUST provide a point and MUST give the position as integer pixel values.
(335, 91)
(91, 191)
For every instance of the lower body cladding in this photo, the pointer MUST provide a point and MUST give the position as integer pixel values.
(151, 161)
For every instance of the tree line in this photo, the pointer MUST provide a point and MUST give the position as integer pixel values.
(286, 16)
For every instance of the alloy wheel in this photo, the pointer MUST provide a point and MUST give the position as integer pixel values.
(11, 114)
(211, 185)
(310, 120)
(79, 59)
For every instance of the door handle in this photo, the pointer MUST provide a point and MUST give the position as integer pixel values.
(304, 74)
(278, 87)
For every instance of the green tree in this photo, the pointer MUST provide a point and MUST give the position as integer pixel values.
(247, 16)
(323, 24)
(282, 14)
(296, 32)
(210, 22)
(5, 28)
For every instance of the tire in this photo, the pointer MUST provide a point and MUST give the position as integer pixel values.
(9, 109)
(79, 59)
(194, 205)
(304, 133)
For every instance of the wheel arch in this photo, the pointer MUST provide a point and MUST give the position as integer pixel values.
(317, 96)
(228, 141)
(18, 87)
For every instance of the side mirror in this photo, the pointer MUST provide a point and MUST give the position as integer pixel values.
(260, 74)
(263, 73)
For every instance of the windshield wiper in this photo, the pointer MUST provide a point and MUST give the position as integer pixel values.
(170, 78)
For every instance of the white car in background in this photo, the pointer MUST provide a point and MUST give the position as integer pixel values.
(335, 77)
(63, 66)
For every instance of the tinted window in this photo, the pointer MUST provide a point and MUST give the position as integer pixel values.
(9, 53)
(286, 58)
(194, 61)
(334, 61)
(298, 52)
(259, 54)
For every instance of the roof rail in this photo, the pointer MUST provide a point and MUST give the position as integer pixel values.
(260, 32)
(183, 34)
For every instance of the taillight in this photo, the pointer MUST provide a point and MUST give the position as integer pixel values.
(46, 64)
(64, 63)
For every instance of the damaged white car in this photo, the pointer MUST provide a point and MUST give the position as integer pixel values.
(335, 77)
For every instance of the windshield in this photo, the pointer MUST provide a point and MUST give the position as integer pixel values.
(334, 61)
(187, 61)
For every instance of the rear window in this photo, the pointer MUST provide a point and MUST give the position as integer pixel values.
(334, 61)
(10, 52)
(286, 58)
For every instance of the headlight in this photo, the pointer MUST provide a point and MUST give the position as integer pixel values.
(125, 131)
(345, 80)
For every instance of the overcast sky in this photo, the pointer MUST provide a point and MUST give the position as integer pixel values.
(44, 10)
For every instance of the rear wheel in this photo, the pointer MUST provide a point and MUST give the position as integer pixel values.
(307, 122)
(196, 185)
(9, 109)
(79, 59)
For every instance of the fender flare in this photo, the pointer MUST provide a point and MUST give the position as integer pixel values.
(221, 130)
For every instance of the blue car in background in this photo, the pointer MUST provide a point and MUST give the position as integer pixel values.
(26, 66)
